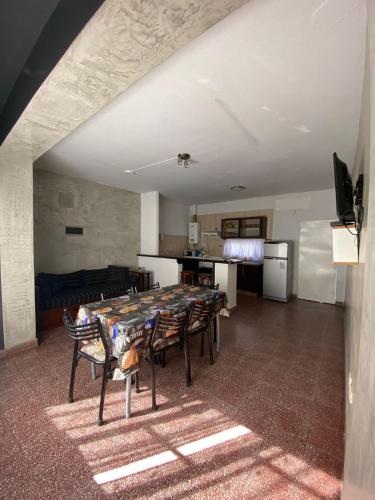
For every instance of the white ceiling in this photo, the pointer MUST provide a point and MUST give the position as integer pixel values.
(261, 99)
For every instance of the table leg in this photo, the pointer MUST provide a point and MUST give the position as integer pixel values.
(128, 392)
(93, 371)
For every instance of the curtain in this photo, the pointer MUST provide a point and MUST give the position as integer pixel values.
(246, 249)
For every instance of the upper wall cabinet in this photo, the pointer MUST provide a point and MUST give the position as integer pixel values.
(244, 227)
(230, 228)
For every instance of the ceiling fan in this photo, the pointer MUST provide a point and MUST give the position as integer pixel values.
(182, 159)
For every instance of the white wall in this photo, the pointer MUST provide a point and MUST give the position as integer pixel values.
(173, 217)
(289, 211)
(150, 222)
(359, 468)
(165, 271)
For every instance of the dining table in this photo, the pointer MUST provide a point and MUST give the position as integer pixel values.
(128, 320)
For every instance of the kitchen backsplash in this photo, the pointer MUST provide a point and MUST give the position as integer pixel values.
(173, 244)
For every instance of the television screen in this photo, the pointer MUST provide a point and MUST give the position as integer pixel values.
(344, 191)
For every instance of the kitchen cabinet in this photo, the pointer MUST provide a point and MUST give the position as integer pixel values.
(250, 278)
(244, 227)
(230, 228)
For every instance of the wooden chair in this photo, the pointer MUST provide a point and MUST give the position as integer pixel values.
(155, 286)
(205, 279)
(201, 320)
(169, 331)
(187, 277)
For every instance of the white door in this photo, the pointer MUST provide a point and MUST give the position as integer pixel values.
(316, 271)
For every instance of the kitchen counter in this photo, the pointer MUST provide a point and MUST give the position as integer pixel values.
(220, 260)
(166, 269)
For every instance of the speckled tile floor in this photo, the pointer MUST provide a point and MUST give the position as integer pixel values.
(265, 421)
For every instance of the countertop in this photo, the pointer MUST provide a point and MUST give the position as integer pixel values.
(217, 260)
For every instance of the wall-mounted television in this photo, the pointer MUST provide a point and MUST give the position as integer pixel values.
(344, 191)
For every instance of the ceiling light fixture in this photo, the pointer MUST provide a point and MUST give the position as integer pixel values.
(237, 188)
(183, 159)
(128, 171)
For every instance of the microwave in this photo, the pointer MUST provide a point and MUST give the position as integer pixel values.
(188, 253)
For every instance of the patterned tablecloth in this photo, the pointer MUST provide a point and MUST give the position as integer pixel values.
(128, 320)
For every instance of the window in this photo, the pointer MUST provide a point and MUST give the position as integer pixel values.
(246, 249)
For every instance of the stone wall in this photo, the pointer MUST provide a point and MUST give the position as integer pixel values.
(110, 219)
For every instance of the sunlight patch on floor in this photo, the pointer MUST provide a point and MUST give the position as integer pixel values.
(141, 465)
(169, 456)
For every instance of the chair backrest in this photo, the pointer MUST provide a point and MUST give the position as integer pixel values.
(85, 332)
(211, 287)
(167, 327)
(155, 286)
(131, 291)
(203, 312)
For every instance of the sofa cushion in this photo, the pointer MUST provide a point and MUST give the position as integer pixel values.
(81, 287)
(118, 273)
(95, 276)
(47, 283)
(70, 280)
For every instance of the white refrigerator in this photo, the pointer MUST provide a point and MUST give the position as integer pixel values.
(278, 270)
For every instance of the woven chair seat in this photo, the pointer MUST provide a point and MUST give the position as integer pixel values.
(196, 326)
(162, 343)
(95, 350)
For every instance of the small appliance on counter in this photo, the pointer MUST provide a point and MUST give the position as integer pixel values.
(278, 270)
(192, 253)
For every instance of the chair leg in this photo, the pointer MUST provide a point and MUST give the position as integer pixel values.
(137, 389)
(215, 329)
(187, 361)
(163, 360)
(73, 372)
(93, 370)
(128, 394)
(102, 393)
(202, 343)
(209, 334)
(153, 388)
(217, 324)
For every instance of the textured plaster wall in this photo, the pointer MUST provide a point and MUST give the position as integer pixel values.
(110, 219)
(16, 245)
(121, 43)
(359, 469)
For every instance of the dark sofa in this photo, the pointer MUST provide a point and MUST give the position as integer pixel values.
(56, 291)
